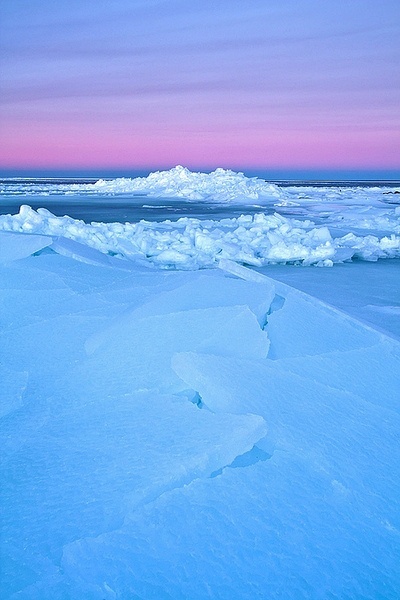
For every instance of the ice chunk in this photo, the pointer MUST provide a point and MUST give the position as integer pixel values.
(14, 246)
(189, 243)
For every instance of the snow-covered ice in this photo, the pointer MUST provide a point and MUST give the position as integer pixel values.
(14, 246)
(192, 243)
(185, 433)
(301, 224)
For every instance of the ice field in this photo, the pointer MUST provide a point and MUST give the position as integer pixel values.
(190, 409)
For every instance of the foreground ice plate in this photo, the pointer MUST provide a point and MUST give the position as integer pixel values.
(195, 435)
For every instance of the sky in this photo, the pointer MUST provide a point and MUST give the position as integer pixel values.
(261, 84)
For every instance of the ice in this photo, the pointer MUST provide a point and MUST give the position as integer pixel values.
(302, 327)
(189, 243)
(359, 371)
(221, 185)
(87, 463)
(358, 288)
(175, 433)
(84, 253)
(296, 533)
(330, 555)
(209, 290)
(13, 384)
(318, 518)
(14, 246)
(136, 353)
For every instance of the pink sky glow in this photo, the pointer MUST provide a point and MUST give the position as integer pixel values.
(260, 85)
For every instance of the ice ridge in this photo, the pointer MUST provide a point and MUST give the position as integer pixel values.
(190, 243)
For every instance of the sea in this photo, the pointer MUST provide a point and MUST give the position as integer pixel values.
(59, 197)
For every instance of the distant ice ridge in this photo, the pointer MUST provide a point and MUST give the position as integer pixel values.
(219, 186)
(190, 243)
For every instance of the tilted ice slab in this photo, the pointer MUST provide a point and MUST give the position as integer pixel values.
(190, 243)
(14, 246)
(208, 290)
(136, 353)
(286, 527)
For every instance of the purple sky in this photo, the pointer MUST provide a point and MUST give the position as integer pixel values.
(153, 83)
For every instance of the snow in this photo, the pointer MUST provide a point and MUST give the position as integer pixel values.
(221, 185)
(303, 224)
(14, 246)
(192, 243)
(183, 433)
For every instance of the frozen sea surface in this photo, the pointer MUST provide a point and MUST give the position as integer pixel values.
(225, 432)
(192, 220)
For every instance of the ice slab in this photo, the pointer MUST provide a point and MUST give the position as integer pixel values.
(279, 529)
(316, 516)
(364, 290)
(372, 373)
(87, 463)
(305, 326)
(136, 353)
(200, 291)
(318, 519)
(212, 290)
(291, 404)
(46, 349)
(12, 387)
(14, 246)
(84, 253)
(299, 324)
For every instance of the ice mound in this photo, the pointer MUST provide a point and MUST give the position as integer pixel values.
(219, 186)
(189, 243)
